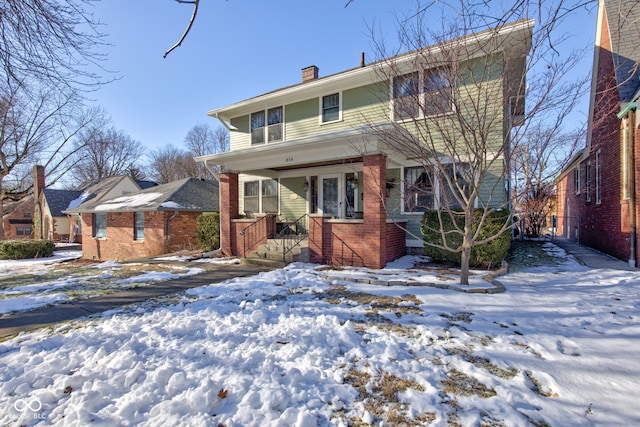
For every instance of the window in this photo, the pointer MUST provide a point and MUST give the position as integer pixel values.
(435, 97)
(270, 195)
(405, 96)
(455, 188)
(138, 226)
(251, 196)
(418, 189)
(23, 231)
(625, 158)
(257, 128)
(576, 179)
(100, 225)
(26, 214)
(587, 180)
(272, 120)
(598, 184)
(438, 94)
(331, 108)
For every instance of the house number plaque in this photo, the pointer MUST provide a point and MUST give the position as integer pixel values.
(288, 159)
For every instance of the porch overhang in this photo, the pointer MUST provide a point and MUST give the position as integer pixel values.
(329, 148)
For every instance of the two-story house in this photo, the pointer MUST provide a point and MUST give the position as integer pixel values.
(315, 158)
(597, 192)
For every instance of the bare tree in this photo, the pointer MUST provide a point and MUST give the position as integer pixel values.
(170, 164)
(456, 102)
(101, 151)
(36, 127)
(50, 41)
(536, 160)
(202, 140)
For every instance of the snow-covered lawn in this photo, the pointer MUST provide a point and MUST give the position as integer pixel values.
(29, 284)
(301, 346)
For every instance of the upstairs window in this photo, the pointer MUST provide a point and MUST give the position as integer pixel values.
(405, 96)
(331, 108)
(438, 93)
(576, 179)
(274, 122)
(433, 97)
(257, 128)
(269, 122)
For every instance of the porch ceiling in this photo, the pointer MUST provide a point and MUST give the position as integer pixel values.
(324, 149)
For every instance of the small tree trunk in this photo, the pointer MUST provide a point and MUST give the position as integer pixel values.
(464, 266)
(467, 243)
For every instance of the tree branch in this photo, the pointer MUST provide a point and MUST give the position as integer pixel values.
(195, 4)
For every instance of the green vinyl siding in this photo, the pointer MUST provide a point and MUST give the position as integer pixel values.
(365, 104)
(292, 198)
(302, 118)
(240, 139)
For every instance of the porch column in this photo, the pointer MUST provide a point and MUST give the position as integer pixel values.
(375, 216)
(228, 210)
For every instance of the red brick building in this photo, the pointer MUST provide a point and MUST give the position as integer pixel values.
(597, 193)
(149, 222)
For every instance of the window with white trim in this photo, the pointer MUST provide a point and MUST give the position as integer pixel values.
(252, 197)
(269, 121)
(419, 189)
(99, 225)
(598, 178)
(330, 108)
(587, 180)
(23, 231)
(270, 195)
(576, 179)
(261, 196)
(438, 92)
(433, 97)
(406, 96)
(625, 158)
(138, 226)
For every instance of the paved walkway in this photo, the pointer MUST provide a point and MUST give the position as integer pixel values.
(591, 257)
(34, 319)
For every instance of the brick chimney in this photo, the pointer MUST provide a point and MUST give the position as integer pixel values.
(309, 73)
(38, 180)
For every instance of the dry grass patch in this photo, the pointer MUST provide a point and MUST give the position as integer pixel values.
(461, 384)
(380, 397)
(338, 294)
(537, 387)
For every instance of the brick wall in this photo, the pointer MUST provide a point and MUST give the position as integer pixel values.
(229, 205)
(120, 243)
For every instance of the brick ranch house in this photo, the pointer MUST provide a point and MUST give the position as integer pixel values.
(597, 192)
(147, 222)
(312, 158)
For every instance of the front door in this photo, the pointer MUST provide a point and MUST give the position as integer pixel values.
(329, 195)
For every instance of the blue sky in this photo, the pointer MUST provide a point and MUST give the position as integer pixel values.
(237, 49)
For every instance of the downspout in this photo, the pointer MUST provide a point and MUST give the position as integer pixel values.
(632, 202)
(168, 231)
(630, 111)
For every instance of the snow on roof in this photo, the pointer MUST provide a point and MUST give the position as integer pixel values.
(130, 202)
(78, 201)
